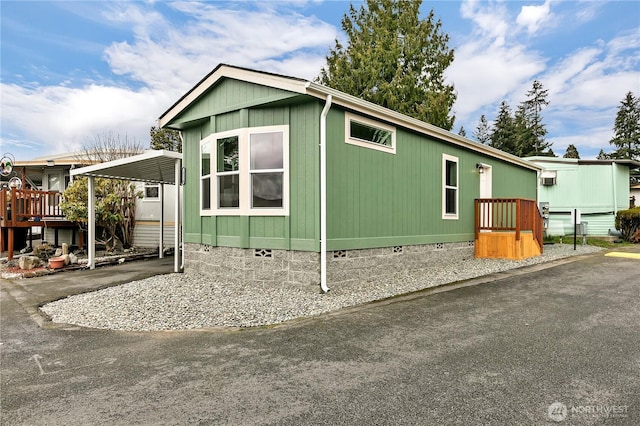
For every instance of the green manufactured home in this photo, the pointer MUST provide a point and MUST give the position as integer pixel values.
(289, 181)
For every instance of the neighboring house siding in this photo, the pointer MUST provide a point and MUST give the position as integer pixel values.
(597, 190)
(147, 234)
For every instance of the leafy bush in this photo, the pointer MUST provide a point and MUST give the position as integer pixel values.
(115, 208)
(628, 223)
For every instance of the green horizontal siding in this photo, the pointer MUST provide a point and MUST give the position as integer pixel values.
(591, 188)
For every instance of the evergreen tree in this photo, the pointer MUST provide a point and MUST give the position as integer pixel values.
(603, 155)
(531, 130)
(483, 131)
(462, 132)
(627, 129)
(504, 130)
(165, 139)
(394, 59)
(525, 139)
(572, 152)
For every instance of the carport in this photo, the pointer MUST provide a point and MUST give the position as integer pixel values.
(154, 166)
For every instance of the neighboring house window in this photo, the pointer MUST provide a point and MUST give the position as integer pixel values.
(449, 187)
(368, 133)
(251, 173)
(151, 192)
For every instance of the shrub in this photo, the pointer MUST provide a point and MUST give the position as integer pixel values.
(115, 208)
(628, 223)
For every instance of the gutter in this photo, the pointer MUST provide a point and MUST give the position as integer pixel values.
(323, 195)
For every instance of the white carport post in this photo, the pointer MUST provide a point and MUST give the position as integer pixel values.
(91, 237)
(178, 219)
(161, 196)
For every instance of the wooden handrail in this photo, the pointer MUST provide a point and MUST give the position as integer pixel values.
(19, 205)
(509, 214)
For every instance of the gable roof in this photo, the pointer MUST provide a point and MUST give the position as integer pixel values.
(304, 87)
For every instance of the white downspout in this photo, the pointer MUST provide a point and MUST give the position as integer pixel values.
(323, 195)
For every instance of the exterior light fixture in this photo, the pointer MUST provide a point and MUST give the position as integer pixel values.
(480, 167)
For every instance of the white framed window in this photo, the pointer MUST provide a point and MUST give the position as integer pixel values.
(450, 187)
(251, 173)
(227, 158)
(151, 192)
(369, 133)
(205, 176)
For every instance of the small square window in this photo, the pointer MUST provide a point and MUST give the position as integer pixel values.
(151, 192)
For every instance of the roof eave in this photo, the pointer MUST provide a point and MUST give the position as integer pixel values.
(380, 112)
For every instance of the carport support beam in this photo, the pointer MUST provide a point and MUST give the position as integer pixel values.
(178, 219)
(91, 243)
(161, 242)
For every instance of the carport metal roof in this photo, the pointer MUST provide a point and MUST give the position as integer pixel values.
(152, 166)
(162, 167)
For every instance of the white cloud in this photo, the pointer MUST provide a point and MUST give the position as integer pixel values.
(491, 64)
(164, 59)
(163, 54)
(534, 17)
(585, 86)
(68, 118)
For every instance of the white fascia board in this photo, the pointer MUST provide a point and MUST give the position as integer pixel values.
(225, 71)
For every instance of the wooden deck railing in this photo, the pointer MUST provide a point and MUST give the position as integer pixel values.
(509, 214)
(22, 205)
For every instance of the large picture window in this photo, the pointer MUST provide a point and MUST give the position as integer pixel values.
(251, 173)
(368, 133)
(449, 187)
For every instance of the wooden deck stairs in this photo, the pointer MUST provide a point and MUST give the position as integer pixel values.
(508, 228)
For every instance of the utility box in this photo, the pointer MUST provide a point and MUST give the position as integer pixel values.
(543, 206)
(583, 228)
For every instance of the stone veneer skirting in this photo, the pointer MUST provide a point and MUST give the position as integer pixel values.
(267, 268)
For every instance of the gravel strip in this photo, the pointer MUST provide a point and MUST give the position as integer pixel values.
(191, 301)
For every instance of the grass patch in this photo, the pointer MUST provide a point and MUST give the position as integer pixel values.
(592, 241)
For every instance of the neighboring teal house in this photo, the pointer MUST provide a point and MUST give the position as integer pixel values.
(598, 188)
(288, 181)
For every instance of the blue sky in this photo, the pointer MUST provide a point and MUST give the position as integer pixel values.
(73, 71)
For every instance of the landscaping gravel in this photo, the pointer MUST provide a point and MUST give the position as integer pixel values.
(192, 301)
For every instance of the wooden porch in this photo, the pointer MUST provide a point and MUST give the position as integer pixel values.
(25, 208)
(508, 228)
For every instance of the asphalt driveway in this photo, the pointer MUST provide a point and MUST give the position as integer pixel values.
(547, 344)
